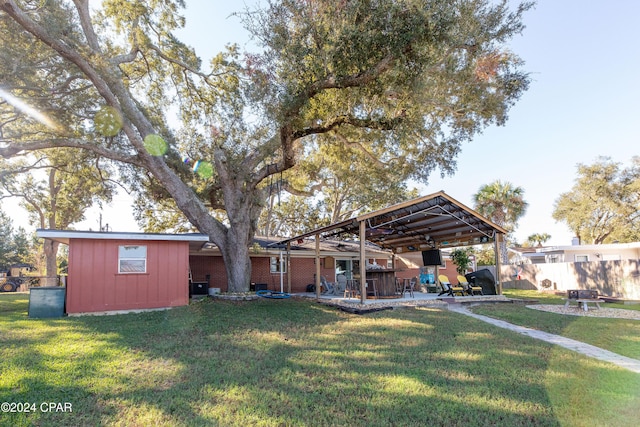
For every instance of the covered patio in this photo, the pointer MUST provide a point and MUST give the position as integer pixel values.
(424, 224)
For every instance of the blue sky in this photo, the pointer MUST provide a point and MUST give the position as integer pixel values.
(584, 61)
(582, 103)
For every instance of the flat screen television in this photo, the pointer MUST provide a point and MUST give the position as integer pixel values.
(431, 257)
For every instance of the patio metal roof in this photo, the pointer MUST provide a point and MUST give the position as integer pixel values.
(433, 221)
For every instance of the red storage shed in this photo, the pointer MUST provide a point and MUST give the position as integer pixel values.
(112, 271)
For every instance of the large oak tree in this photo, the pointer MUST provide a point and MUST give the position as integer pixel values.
(406, 81)
(71, 182)
(604, 204)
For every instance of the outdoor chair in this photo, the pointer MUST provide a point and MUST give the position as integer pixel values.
(409, 285)
(448, 288)
(468, 287)
(399, 287)
(352, 290)
(372, 290)
(329, 288)
(341, 283)
(445, 285)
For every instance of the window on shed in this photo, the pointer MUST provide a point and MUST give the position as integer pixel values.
(582, 258)
(132, 259)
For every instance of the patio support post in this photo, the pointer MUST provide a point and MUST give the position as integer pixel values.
(289, 267)
(363, 260)
(496, 248)
(436, 272)
(318, 266)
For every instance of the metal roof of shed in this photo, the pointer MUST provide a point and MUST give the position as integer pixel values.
(196, 240)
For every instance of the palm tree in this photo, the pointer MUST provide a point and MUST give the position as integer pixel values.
(538, 238)
(503, 204)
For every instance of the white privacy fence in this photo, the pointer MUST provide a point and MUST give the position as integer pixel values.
(620, 279)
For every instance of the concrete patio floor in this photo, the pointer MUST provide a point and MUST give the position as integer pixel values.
(419, 298)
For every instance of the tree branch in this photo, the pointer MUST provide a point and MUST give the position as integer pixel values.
(85, 20)
(129, 57)
(29, 200)
(288, 159)
(18, 15)
(331, 82)
(359, 146)
(17, 148)
(23, 169)
(133, 52)
(379, 124)
(179, 63)
(286, 186)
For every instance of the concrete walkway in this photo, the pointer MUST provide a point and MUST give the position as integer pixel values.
(580, 347)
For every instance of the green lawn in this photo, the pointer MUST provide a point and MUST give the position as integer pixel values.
(621, 336)
(292, 362)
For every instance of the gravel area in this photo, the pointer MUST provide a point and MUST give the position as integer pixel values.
(617, 313)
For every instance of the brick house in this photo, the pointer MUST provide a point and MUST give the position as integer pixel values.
(270, 269)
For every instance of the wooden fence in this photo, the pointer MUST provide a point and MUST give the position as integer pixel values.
(619, 279)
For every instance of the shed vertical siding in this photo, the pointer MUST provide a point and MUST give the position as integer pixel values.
(94, 284)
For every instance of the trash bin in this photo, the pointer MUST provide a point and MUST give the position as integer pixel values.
(46, 302)
(199, 288)
(255, 287)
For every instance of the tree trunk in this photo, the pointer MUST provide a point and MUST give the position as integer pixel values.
(237, 263)
(242, 201)
(235, 247)
(51, 253)
(243, 210)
